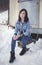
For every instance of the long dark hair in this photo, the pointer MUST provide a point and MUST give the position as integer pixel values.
(26, 15)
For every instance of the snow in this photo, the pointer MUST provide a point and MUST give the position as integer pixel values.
(32, 57)
(4, 17)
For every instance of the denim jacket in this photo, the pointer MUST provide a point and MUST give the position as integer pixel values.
(24, 27)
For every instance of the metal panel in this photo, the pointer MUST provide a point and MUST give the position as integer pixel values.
(25, 0)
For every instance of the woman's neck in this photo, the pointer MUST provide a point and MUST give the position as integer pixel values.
(22, 21)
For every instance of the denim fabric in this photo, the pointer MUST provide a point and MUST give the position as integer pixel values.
(23, 39)
(24, 27)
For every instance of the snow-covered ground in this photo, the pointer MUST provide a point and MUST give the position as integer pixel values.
(32, 57)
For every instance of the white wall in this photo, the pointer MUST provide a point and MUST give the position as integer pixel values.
(13, 12)
(36, 20)
(40, 23)
(33, 11)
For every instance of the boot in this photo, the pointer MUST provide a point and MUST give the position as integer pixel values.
(23, 51)
(12, 57)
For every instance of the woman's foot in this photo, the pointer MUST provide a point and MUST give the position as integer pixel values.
(23, 51)
(12, 57)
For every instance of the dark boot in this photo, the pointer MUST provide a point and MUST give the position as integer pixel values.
(23, 51)
(12, 57)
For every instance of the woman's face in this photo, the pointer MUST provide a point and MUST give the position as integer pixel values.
(22, 15)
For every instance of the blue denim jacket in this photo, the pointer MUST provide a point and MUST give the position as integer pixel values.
(24, 27)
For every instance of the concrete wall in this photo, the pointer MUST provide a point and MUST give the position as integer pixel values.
(40, 22)
(13, 11)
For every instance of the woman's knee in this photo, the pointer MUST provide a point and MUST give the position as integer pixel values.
(13, 42)
(13, 38)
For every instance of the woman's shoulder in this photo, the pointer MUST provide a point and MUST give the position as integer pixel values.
(17, 23)
(28, 22)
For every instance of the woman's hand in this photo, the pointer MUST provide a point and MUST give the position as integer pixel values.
(15, 37)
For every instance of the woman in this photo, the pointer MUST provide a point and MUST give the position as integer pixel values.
(22, 32)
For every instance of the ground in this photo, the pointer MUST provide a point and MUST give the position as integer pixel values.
(32, 57)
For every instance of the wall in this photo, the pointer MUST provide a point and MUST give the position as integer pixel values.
(40, 23)
(32, 8)
(13, 12)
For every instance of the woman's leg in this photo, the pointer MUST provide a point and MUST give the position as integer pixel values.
(12, 54)
(24, 40)
(13, 44)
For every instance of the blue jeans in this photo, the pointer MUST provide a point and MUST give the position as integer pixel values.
(24, 40)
